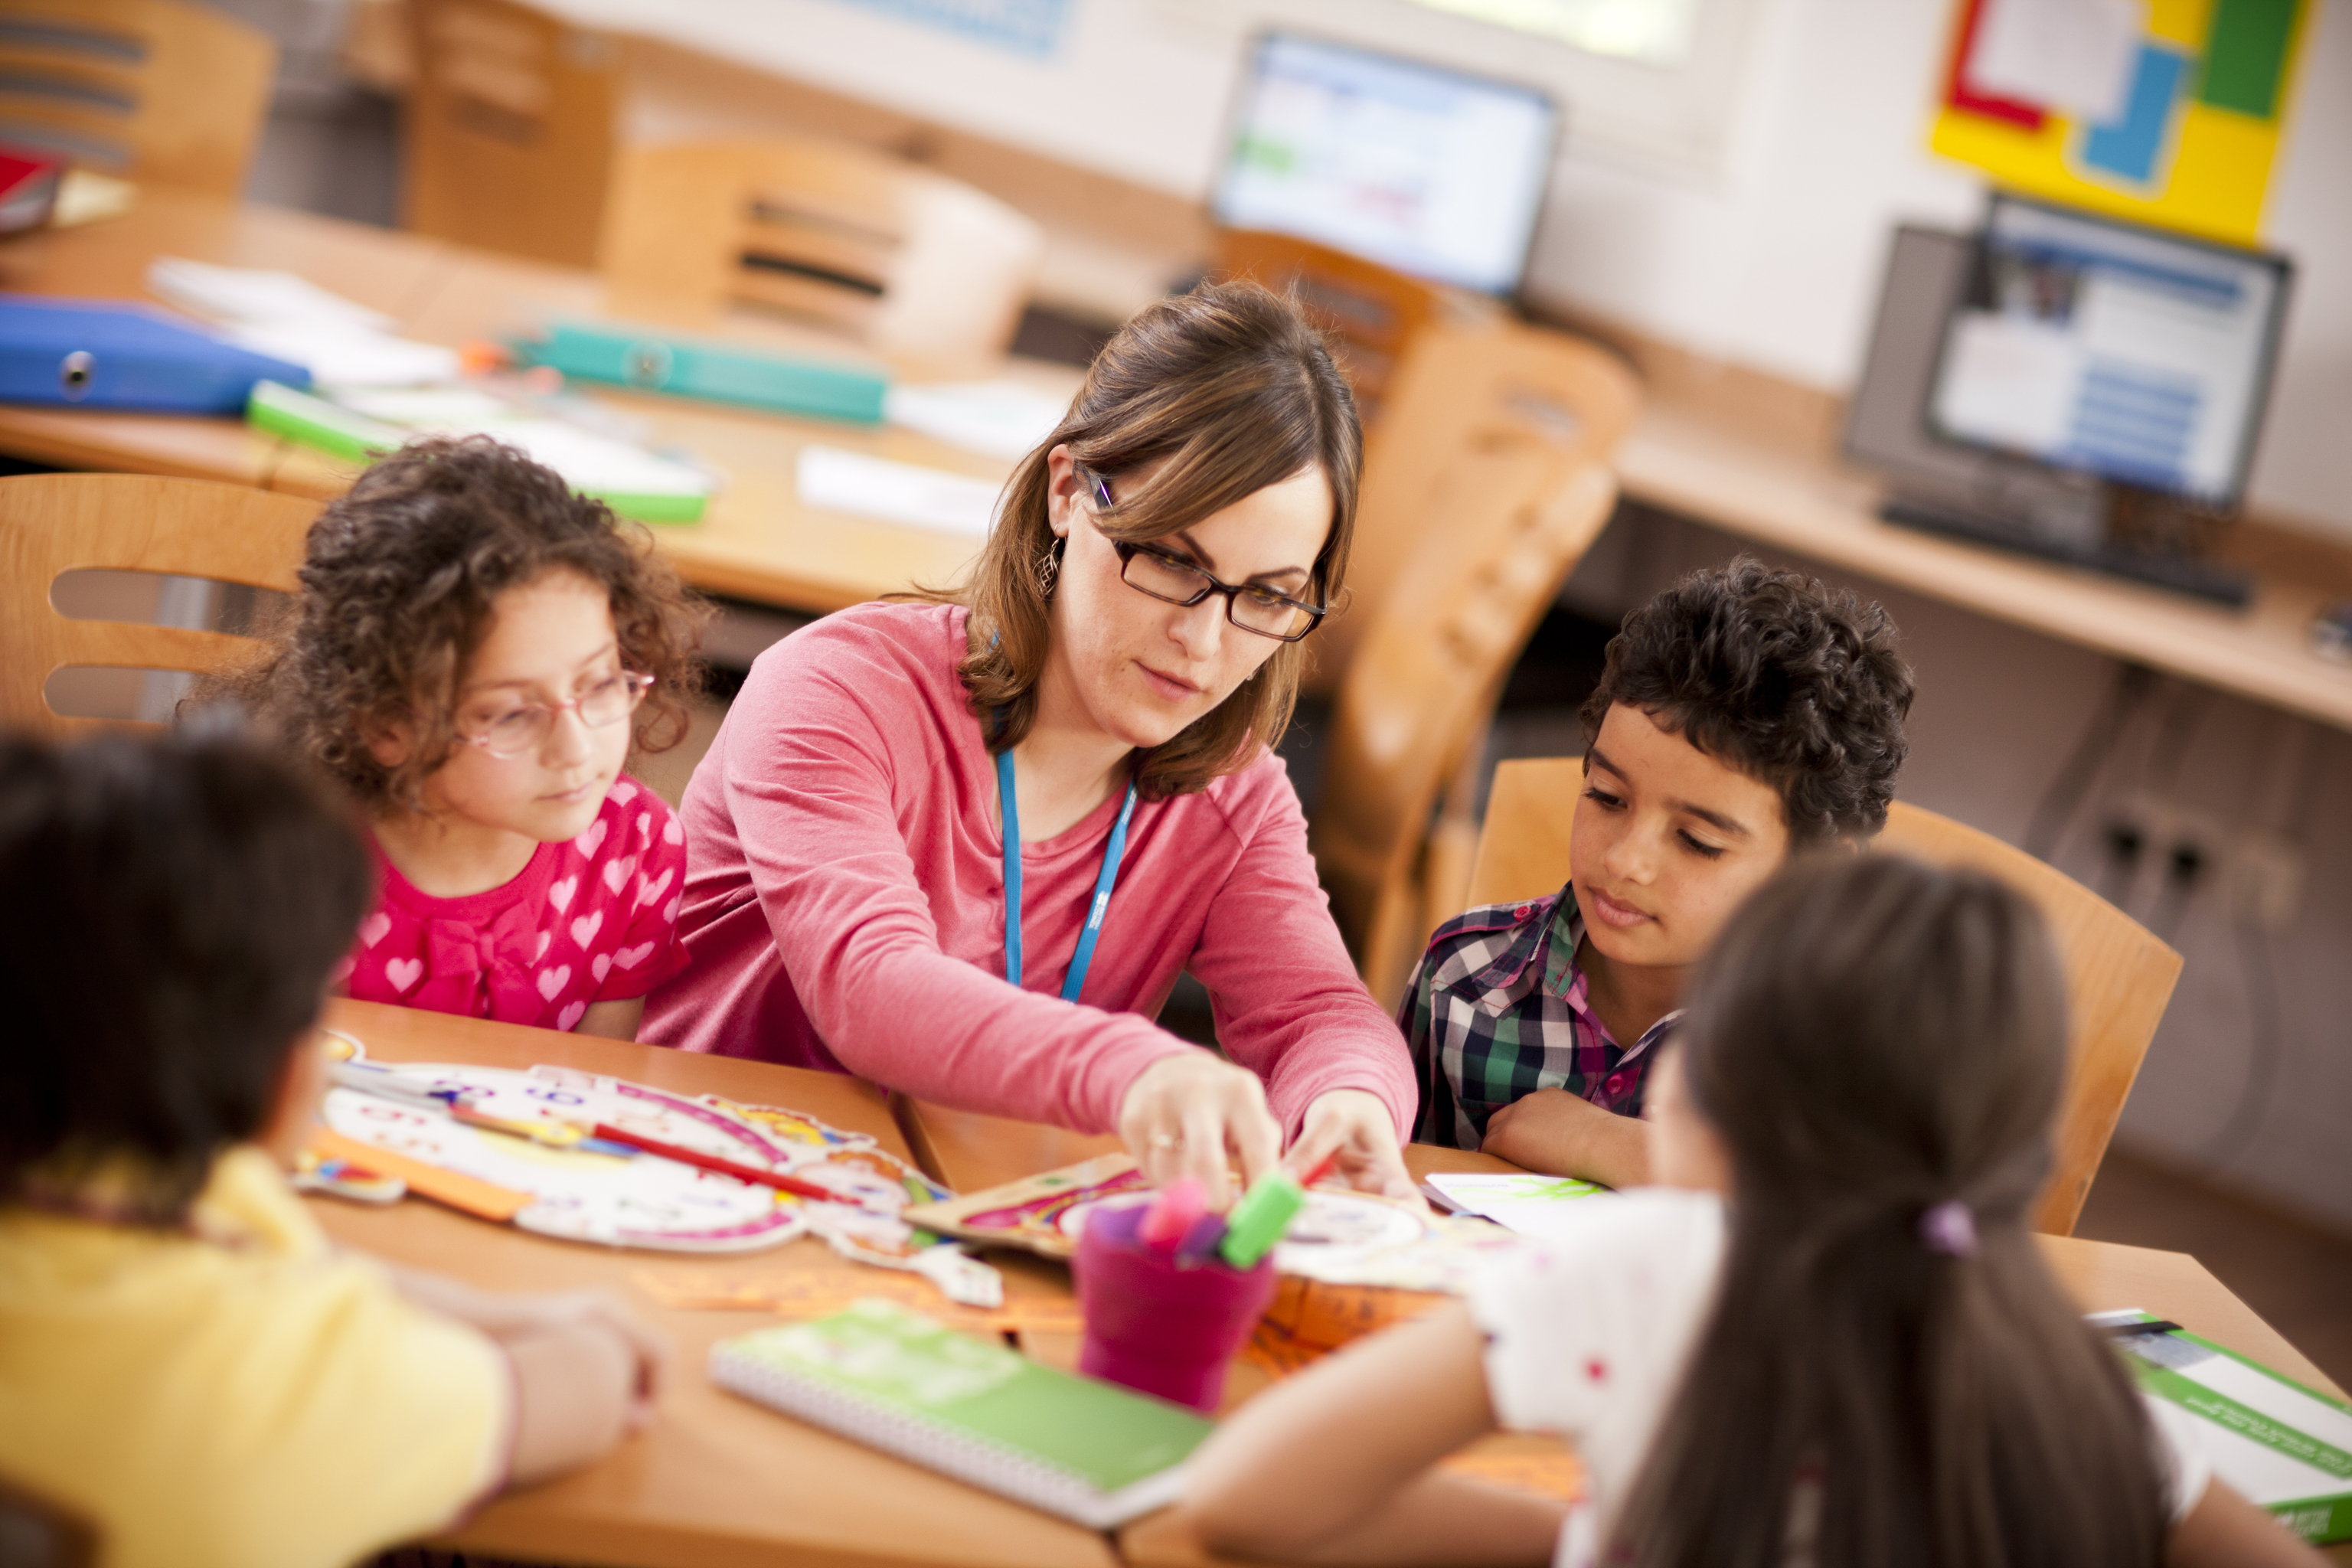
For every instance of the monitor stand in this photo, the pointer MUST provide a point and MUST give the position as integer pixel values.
(2166, 568)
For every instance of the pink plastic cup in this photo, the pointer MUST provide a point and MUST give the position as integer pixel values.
(1155, 1326)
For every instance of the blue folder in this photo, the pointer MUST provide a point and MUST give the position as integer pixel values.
(102, 353)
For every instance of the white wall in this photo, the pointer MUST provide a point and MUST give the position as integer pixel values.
(1772, 260)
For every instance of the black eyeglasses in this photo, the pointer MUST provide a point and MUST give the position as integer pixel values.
(1252, 607)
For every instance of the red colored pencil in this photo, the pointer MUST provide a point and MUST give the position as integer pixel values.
(724, 1167)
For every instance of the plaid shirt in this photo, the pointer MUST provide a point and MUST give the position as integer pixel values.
(1498, 1009)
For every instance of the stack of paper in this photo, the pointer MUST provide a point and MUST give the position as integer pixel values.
(831, 480)
(360, 425)
(287, 317)
(999, 418)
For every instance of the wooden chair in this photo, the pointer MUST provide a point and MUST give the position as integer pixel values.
(1497, 519)
(1371, 314)
(2118, 976)
(916, 265)
(55, 524)
(162, 91)
(510, 129)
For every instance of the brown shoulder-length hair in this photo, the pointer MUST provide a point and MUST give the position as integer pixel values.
(399, 580)
(1872, 1038)
(1230, 390)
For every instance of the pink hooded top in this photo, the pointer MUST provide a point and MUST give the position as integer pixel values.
(844, 904)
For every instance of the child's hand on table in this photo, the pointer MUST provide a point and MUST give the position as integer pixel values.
(1352, 1128)
(588, 1370)
(1553, 1131)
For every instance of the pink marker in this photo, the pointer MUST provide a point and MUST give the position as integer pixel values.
(1171, 1214)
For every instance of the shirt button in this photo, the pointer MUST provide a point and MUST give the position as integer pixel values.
(1520, 913)
(1616, 1084)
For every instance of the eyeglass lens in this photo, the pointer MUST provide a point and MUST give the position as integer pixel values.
(1260, 610)
(509, 732)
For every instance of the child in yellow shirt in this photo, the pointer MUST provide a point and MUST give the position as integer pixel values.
(187, 1367)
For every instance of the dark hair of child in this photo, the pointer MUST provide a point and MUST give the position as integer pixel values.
(169, 910)
(1768, 671)
(1871, 1038)
(400, 581)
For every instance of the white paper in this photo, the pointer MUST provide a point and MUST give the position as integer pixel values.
(831, 480)
(254, 294)
(287, 317)
(2077, 55)
(591, 460)
(998, 418)
(1523, 1202)
(342, 357)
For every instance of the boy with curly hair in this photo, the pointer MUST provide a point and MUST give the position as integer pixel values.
(1745, 714)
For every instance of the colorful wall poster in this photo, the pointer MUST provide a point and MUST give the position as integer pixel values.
(2164, 111)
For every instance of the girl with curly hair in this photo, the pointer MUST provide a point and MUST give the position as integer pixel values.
(474, 649)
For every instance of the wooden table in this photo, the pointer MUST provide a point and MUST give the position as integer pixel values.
(1730, 462)
(716, 1481)
(756, 541)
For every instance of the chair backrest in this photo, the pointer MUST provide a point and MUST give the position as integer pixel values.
(163, 92)
(1501, 523)
(1371, 314)
(1462, 390)
(2119, 978)
(54, 523)
(510, 129)
(916, 265)
(2118, 974)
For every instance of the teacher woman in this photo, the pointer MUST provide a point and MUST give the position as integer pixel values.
(964, 846)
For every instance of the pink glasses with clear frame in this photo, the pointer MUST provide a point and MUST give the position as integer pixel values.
(524, 727)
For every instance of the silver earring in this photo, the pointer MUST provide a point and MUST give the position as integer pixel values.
(1049, 568)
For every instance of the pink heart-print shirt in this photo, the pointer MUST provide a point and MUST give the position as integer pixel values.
(592, 919)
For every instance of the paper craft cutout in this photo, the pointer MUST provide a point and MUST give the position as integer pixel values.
(1335, 1236)
(1028, 1213)
(573, 1194)
(817, 1293)
(1521, 1201)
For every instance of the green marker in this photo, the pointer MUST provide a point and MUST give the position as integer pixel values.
(1259, 1221)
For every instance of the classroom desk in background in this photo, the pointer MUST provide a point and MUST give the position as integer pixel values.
(1714, 444)
(756, 542)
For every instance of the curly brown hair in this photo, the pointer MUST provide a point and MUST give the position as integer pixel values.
(1230, 389)
(1770, 671)
(399, 580)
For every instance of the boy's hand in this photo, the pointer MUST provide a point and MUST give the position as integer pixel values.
(1354, 1124)
(1553, 1131)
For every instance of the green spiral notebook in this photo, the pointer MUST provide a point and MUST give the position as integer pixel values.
(984, 1413)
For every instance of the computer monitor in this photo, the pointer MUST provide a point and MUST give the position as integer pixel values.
(1428, 171)
(2127, 353)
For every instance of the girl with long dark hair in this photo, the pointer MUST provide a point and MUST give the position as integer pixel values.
(1833, 1345)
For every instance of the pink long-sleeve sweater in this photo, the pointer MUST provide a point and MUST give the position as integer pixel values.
(844, 904)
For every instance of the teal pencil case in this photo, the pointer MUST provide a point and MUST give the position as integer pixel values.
(656, 360)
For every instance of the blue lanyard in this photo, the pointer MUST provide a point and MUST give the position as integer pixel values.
(1082, 960)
